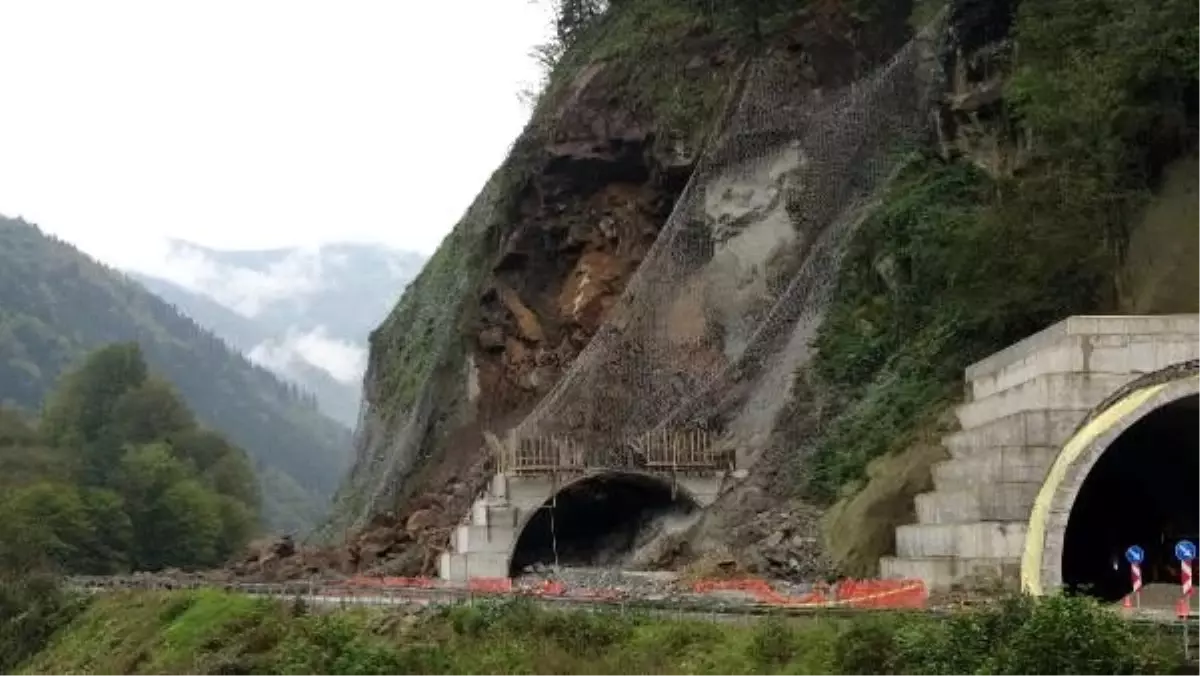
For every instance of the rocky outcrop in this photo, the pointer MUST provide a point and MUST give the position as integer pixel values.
(977, 58)
(577, 208)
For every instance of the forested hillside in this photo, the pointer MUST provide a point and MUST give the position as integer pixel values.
(334, 398)
(56, 304)
(302, 312)
(117, 476)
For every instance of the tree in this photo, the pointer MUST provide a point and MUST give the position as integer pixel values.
(232, 476)
(149, 412)
(176, 520)
(151, 488)
(46, 523)
(80, 409)
(571, 17)
(80, 412)
(111, 532)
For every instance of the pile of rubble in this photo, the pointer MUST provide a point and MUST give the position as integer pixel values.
(760, 537)
(785, 543)
(281, 559)
(387, 545)
(646, 585)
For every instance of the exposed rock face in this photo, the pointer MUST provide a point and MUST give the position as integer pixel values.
(977, 58)
(590, 217)
(605, 174)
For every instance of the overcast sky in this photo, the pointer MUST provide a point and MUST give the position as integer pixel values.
(256, 123)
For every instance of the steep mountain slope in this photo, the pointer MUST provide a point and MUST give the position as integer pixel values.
(1014, 205)
(302, 313)
(541, 260)
(57, 304)
(239, 331)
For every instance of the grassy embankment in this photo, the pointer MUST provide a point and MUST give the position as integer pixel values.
(214, 632)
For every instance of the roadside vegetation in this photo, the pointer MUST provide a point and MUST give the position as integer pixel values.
(216, 632)
(116, 475)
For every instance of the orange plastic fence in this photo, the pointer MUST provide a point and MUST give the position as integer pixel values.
(402, 582)
(548, 588)
(882, 593)
(492, 585)
(852, 593)
(752, 585)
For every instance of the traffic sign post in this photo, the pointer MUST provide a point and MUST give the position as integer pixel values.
(1185, 551)
(1135, 555)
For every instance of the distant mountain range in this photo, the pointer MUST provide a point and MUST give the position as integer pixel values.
(57, 305)
(303, 313)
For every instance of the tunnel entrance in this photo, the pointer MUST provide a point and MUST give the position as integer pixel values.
(1143, 490)
(598, 521)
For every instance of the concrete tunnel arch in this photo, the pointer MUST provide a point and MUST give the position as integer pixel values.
(1102, 444)
(596, 514)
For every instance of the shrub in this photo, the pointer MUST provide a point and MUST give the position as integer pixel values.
(1018, 635)
(32, 608)
(772, 644)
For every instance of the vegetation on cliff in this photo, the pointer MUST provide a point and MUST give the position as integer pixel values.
(1060, 119)
(57, 304)
(213, 632)
(629, 93)
(118, 476)
(961, 259)
(632, 97)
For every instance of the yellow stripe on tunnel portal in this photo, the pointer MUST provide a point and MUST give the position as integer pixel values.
(1035, 535)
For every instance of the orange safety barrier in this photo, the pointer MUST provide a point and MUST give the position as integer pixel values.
(548, 588)
(752, 585)
(492, 585)
(402, 582)
(882, 593)
(852, 593)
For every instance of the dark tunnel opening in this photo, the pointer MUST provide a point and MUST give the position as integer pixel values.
(1143, 490)
(596, 521)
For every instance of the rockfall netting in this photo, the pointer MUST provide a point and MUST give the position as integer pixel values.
(720, 313)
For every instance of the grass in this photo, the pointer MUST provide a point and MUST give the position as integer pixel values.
(215, 632)
(861, 526)
(147, 632)
(911, 310)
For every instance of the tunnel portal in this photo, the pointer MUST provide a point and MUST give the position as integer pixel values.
(1143, 490)
(597, 520)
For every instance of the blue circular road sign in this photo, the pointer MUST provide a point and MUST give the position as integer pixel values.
(1185, 550)
(1135, 554)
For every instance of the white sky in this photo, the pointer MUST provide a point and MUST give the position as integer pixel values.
(256, 123)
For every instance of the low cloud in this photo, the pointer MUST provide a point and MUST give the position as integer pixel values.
(344, 361)
(244, 290)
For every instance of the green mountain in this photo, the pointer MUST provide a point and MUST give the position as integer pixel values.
(336, 399)
(302, 312)
(56, 304)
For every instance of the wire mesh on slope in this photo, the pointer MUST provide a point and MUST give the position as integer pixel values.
(737, 279)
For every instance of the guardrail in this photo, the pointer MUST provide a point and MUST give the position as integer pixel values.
(741, 593)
